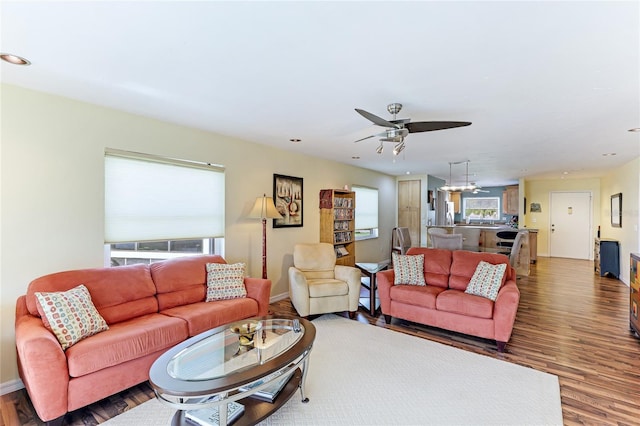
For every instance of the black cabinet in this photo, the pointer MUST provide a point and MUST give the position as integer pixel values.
(607, 257)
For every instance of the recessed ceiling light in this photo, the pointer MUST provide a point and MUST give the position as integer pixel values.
(14, 59)
(608, 154)
(355, 157)
(294, 140)
(408, 173)
(635, 129)
(565, 173)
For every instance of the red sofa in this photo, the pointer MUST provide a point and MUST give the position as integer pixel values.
(443, 302)
(149, 309)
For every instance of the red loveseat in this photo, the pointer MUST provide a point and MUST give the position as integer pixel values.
(149, 309)
(443, 303)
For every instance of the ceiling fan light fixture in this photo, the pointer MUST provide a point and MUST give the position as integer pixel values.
(380, 148)
(398, 148)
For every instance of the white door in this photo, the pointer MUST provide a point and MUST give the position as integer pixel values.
(570, 233)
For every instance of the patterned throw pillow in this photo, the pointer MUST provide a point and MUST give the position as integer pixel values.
(408, 269)
(486, 280)
(225, 281)
(70, 315)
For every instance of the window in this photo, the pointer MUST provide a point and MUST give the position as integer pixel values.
(157, 208)
(366, 212)
(481, 208)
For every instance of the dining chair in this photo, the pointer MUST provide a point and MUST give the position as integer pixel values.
(447, 241)
(434, 231)
(400, 240)
(470, 236)
(519, 257)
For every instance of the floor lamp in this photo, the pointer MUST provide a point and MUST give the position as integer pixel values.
(264, 209)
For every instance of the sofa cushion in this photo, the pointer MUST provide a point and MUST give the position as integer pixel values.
(437, 264)
(204, 316)
(464, 265)
(459, 302)
(408, 269)
(225, 281)
(125, 341)
(70, 314)
(118, 294)
(183, 280)
(416, 295)
(486, 280)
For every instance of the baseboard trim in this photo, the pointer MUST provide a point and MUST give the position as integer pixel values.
(278, 297)
(11, 386)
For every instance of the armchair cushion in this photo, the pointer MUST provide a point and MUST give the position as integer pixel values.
(327, 287)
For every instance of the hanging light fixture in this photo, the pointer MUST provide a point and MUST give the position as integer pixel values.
(462, 188)
(380, 148)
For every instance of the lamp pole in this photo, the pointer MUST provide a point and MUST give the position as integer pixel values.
(264, 209)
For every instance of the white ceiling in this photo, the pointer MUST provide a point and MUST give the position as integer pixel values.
(549, 86)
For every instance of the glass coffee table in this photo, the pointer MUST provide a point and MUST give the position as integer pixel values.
(231, 363)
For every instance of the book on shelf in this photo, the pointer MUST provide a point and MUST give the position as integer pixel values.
(341, 251)
(271, 391)
(211, 416)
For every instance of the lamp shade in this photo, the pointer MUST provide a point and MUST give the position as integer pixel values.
(264, 208)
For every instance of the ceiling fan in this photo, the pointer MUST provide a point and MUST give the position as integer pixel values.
(398, 129)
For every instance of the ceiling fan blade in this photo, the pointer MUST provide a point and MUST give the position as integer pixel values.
(372, 136)
(429, 126)
(376, 120)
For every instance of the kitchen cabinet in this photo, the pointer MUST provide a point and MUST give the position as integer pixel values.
(510, 200)
(455, 198)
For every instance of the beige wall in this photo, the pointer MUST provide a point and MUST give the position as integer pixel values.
(538, 191)
(624, 179)
(52, 177)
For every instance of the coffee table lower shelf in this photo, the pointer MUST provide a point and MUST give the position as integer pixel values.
(255, 410)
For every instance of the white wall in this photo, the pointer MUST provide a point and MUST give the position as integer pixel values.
(52, 204)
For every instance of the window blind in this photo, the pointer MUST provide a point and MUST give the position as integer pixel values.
(366, 207)
(153, 198)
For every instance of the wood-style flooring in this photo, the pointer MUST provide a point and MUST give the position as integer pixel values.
(570, 322)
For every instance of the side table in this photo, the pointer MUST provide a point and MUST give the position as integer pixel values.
(369, 270)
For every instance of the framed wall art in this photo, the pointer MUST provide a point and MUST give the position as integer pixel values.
(287, 196)
(616, 210)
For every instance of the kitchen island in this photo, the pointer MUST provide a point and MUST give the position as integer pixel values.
(488, 236)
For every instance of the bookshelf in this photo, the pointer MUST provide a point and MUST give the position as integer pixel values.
(337, 223)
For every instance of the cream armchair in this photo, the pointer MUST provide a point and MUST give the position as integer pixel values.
(318, 286)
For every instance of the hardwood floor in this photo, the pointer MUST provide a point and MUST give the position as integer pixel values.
(570, 323)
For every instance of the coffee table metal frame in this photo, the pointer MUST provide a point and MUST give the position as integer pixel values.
(184, 395)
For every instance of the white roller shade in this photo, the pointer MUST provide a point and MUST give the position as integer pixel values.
(149, 198)
(366, 207)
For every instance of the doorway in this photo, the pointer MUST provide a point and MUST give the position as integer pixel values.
(409, 208)
(570, 220)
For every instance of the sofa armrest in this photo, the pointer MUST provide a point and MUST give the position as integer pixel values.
(260, 290)
(42, 365)
(351, 276)
(505, 309)
(384, 280)
(299, 291)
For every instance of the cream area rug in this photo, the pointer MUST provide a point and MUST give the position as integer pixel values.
(361, 374)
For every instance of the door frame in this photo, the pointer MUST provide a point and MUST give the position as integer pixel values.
(591, 233)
